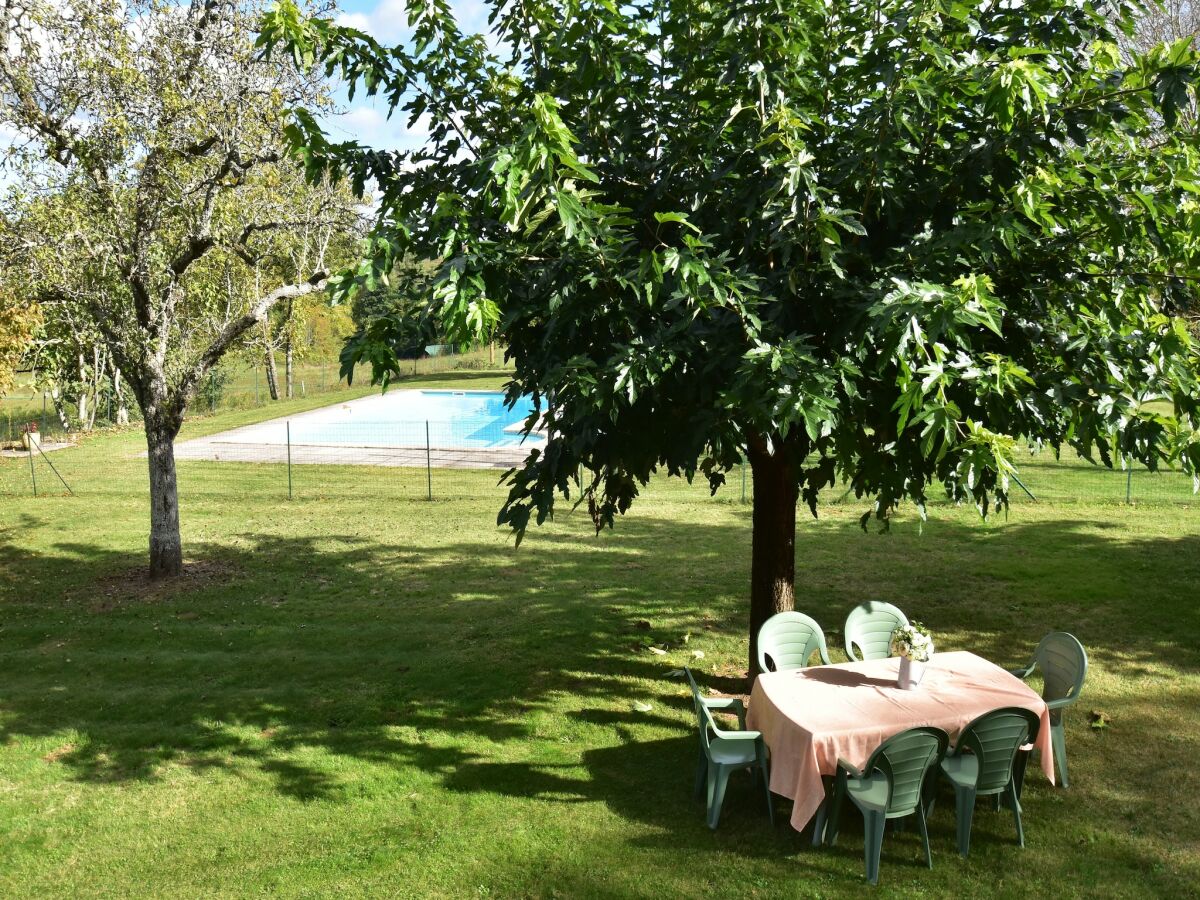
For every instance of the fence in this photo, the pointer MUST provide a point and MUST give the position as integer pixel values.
(309, 459)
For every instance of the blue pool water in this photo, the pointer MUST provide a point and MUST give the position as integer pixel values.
(467, 419)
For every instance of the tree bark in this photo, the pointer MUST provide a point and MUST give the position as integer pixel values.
(773, 555)
(166, 547)
(122, 409)
(272, 378)
(288, 368)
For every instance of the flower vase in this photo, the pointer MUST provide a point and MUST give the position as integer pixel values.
(911, 673)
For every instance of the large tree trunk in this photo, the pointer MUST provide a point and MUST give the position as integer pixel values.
(166, 547)
(773, 557)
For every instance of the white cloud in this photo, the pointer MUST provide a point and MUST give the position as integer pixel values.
(368, 124)
(387, 21)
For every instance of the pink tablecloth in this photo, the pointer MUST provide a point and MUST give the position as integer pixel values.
(810, 717)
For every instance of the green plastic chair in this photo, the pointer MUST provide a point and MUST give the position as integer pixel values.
(983, 764)
(1064, 663)
(889, 786)
(790, 639)
(723, 752)
(869, 627)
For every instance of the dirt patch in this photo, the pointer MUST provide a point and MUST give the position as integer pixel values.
(58, 753)
(134, 586)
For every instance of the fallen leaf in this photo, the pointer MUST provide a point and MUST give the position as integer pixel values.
(657, 651)
(640, 706)
(698, 654)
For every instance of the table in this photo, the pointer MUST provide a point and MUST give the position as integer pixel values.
(810, 717)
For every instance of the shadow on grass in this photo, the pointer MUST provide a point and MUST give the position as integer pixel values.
(428, 657)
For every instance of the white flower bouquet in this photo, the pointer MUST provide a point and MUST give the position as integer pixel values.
(912, 641)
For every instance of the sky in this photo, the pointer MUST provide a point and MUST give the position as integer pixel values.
(366, 121)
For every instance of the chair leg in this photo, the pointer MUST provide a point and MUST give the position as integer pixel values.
(1011, 796)
(929, 794)
(766, 780)
(701, 774)
(923, 827)
(834, 817)
(818, 835)
(873, 827)
(1018, 778)
(964, 800)
(1059, 739)
(822, 817)
(718, 780)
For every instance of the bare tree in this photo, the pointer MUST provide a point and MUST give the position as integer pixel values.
(153, 164)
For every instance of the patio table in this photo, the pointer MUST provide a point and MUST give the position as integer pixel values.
(810, 717)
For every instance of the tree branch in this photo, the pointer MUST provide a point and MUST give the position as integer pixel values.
(239, 326)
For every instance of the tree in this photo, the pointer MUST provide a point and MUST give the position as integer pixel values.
(393, 321)
(873, 245)
(19, 320)
(150, 152)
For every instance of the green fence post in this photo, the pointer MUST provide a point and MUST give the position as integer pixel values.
(32, 473)
(428, 463)
(289, 457)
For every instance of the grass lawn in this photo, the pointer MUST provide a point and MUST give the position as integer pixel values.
(363, 693)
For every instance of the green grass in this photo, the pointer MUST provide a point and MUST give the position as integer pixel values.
(363, 693)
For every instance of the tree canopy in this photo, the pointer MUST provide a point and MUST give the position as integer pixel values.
(872, 244)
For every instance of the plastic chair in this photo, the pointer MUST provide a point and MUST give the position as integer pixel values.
(889, 786)
(983, 764)
(723, 752)
(789, 639)
(1063, 662)
(870, 626)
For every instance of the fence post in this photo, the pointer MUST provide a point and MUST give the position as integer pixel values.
(32, 473)
(428, 464)
(289, 457)
(1128, 481)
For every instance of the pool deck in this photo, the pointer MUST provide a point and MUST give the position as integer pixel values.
(267, 442)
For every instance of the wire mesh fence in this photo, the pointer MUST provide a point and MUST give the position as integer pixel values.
(306, 459)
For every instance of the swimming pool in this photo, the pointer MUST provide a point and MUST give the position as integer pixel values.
(408, 418)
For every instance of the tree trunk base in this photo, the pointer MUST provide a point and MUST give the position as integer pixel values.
(773, 557)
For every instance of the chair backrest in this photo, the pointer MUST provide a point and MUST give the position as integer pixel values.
(789, 639)
(994, 738)
(870, 626)
(905, 759)
(1063, 662)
